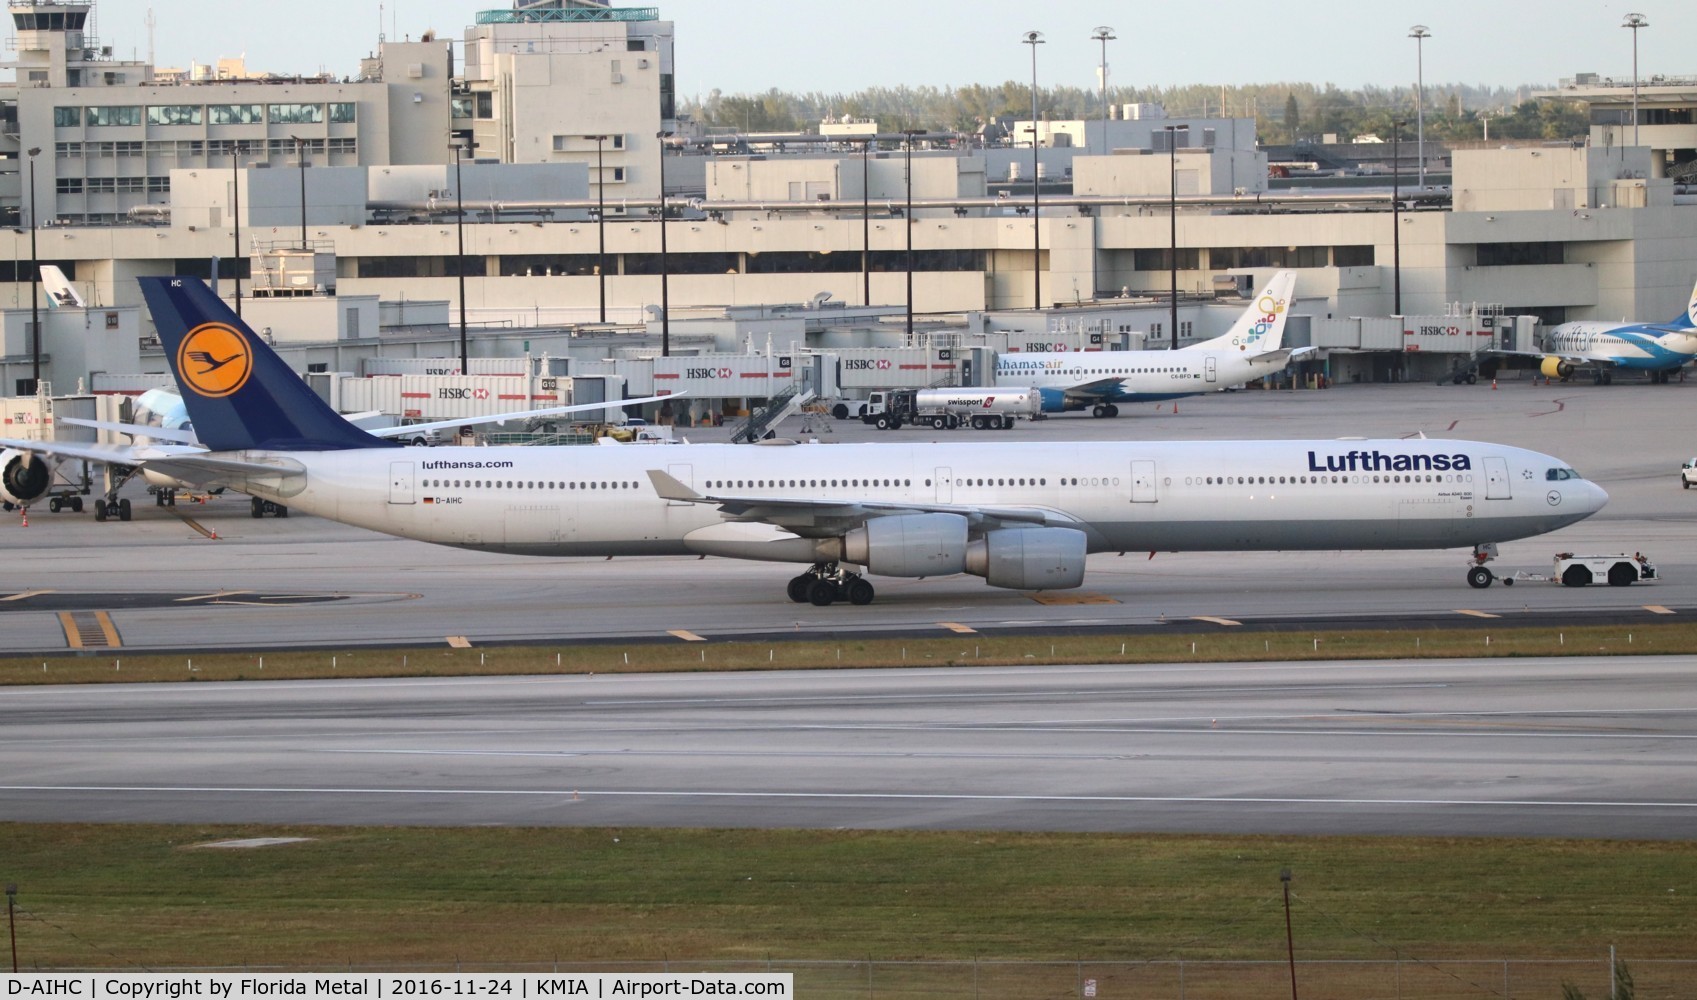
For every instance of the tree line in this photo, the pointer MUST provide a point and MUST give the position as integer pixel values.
(1283, 112)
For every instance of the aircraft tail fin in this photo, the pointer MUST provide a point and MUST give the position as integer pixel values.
(61, 294)
(1261, 328)
(239, 394)
(1689, 318)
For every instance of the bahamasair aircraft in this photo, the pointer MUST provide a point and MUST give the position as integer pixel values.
(1657, 349)
(1099, 380)
(1020, 515)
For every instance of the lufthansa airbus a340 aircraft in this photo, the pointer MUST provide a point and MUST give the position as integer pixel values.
(1020, 515)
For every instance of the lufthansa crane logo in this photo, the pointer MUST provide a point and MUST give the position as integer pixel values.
(214, 360)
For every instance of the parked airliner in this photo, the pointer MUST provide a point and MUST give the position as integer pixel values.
(1099, 380)
(1657, 349)
(1021, 515)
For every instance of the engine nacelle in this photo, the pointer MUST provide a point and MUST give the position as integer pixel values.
(909, 545)
(24, 476)
(1555, 368)
(1029, 558)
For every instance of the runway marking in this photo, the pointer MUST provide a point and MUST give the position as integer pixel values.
(957, 627)
(212, 596)
(1477, 614)
(1047, 597)
(1216, 621)
(27, 593)
(89, 630)
(585, 793)
(1657, 609)
(685, 634)
(459, 642)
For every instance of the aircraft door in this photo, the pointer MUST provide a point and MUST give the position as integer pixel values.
(1496, 479)
(684, 474)
(401, 483)
(945, 485)
(1213, 368)
(1143, 482)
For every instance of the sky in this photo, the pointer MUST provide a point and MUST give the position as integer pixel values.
(830, 46)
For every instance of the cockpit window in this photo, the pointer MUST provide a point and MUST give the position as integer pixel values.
(1557, 474)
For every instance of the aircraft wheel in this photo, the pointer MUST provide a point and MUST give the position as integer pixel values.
(860, 592)
(1608, 378)
(159, 499)
(256, 507)
(281, 511)
(100, 510)
(1478, 577)
(798, 588)
(1099, 410)
(1113, 410)
(53, 505)
(821, 592)
(76, 505)
(124, 510)
(1472, 379)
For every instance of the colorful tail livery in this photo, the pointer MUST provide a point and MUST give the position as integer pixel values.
(239, 393)
(1261, 328)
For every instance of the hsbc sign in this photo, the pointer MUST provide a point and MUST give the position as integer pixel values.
(707, 373)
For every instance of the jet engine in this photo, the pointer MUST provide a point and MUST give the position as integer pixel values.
(909, 545)
(1029, 558)
(24, 476)
(1555, 368)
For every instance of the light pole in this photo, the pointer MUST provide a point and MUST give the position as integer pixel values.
(1172, 210)
(865, 223)
(1635, 21)
(1420, 33)
(665, 290)
(34, 281)
(236, 151)
(600, 222)
(300, 159)
(11, 921)
(459, 226)
(1034, 39)
(907, 223)
(1104, 34)
(1290, 939)
(1396, 216)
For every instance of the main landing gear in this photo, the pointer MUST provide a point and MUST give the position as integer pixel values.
(1478, 575)
(259, 508)
(108, 509)
(1104, 410)
(827, 583)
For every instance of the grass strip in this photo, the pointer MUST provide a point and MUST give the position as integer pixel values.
(131, 896)
(969, 650)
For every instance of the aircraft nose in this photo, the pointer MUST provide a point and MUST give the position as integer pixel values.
(1595, 497)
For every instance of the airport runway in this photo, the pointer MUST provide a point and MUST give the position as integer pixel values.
(1603, 747)
(164, 582)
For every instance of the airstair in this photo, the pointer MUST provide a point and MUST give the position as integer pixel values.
(761, 421)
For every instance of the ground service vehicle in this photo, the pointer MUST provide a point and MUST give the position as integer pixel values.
(979, 408)
(1619, 570)
(1688, 473)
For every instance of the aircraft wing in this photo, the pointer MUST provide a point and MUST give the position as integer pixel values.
(407, 430)
(136, 430)
(1091, 392)
(823, 518)
(108, 454)
(1576, 360)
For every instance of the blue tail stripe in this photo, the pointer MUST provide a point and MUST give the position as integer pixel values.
(273, 409)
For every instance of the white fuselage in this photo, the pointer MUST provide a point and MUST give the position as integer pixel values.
(1143, 375)
(1170, 496)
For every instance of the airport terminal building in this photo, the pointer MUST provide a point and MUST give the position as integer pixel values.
(525, 163)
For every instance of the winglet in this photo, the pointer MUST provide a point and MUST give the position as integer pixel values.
(670, 488)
